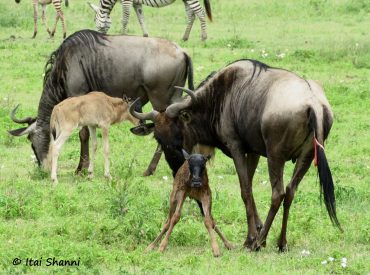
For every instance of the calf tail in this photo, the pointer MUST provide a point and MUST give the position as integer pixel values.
(189, 69)
(325, 177)
(207, 5)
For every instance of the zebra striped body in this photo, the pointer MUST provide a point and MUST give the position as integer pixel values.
(59, 15)
(192, 8)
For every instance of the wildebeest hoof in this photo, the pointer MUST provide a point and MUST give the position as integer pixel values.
(229, 246)
(148, 173)
(282, 247)
(252, 244)
(216, 254)
(90, 175)
(149, 248)
(162, 248)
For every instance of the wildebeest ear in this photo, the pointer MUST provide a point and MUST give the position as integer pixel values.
(94, 7)
(185, 116)
(143, 129)
(185, 154)
(208, 157)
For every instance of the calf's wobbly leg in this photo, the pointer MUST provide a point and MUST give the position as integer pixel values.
(84, 152)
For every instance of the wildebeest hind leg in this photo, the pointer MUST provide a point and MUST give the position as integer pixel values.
(276, 170)
(300, 169)
(84, 153)
(154, 162)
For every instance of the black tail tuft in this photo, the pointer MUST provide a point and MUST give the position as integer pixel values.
(327, 185)
(190, 72)
(67, 4)
(207, 5)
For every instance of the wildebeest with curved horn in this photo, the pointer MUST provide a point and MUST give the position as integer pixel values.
(248, 110)
(119, 65)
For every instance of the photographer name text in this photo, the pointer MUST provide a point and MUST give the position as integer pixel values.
(51, 261)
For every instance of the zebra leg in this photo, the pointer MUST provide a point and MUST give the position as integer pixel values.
(198, 11)
(43, 17)
(35, 15)
(140, 16)
(191, 17)
(126, 7)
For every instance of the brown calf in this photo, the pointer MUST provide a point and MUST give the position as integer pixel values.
(94, 109)
(191, 181)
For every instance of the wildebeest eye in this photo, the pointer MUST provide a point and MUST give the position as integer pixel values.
(185, 117)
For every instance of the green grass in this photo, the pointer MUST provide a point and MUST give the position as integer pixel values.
(108, 224)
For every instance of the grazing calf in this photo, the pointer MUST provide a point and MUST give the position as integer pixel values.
(94, 109)
(191, 181)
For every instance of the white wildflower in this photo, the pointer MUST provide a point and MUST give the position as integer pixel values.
(357, 45)
(165, 177)
(281, 55)
(264, 182)
(220, 177)
(252, 50)
(344, 260)
(305, 253)
(344, 265)
(229, 45)
(324, 262)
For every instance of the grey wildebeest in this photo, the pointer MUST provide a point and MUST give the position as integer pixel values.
(248, 110)
(118, 65)
(191, 180)
(93, 110)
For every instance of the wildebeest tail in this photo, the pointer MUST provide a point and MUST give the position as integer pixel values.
(190, 73)
(207, 5)
(325, 176)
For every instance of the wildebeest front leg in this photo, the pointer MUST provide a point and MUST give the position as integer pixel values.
(154, 162)
(173, 206)
(300, 169)
(180, 197)
(240, 162)
(276, 170)
(84, 152)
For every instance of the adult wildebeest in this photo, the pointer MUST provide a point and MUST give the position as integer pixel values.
(248, 110)
(118, 65)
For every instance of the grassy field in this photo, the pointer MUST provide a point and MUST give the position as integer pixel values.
(107, 225)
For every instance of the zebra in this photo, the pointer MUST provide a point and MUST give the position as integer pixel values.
(59, 15)
(192, 8)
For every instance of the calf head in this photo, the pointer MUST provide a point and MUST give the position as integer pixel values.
(197, 165)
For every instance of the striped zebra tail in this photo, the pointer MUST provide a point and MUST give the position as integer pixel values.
(207, 5)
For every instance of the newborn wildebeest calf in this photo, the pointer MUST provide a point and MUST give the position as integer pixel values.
(191, 180)
(94, 109)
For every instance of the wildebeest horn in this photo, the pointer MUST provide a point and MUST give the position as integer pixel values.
(148, 116)
(174, 109)
(188, 91)
(28, 120)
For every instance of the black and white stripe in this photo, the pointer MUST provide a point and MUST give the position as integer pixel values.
(59, 15)
(192, 8)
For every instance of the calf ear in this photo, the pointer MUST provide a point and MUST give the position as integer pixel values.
(143, 129)
(185, 154)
